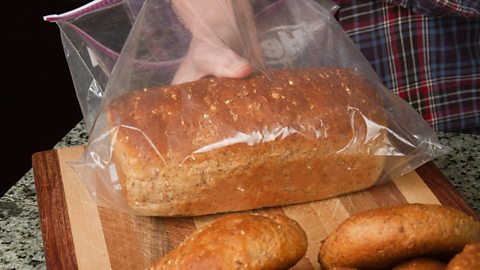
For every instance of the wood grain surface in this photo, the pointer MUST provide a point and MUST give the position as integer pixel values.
(79, 235)
(54, 221)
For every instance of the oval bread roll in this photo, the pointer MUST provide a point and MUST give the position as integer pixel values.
(421, 264)
(240, 241)
(469, 258)
(384, 237)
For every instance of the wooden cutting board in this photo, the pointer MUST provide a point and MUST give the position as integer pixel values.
(79, 235)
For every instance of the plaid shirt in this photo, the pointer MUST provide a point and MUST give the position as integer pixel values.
(426, 51)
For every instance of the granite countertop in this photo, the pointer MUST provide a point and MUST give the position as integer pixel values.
(21, 244)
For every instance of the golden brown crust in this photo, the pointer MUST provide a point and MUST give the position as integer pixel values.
(383, 237)
(469, 258)
(240, 241)
(246, 140)
(421, 264)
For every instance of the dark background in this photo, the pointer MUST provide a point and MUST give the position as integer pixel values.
(38, 106)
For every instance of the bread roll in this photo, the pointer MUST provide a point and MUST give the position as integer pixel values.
(383, 237)
(240, 241)
(220, 144)
(469, 258)
(421, 264)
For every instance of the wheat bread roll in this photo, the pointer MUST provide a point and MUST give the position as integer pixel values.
(469, 258)
(383, 237)
(240, 241)
(221, 144)
(421, 264)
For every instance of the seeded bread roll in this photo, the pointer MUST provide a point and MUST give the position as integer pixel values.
(469, 258)
(383, 237)
(240, 241)
(421, 264)
(220, 144)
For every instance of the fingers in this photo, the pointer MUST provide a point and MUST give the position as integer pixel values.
(219, 46)
(204, 59)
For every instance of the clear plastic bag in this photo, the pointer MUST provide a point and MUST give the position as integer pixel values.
(157, 167)
(93, 36)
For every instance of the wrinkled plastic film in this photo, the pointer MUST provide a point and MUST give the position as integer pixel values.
(92, 37)
(290, 34)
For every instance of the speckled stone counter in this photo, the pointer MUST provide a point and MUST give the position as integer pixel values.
(21, 245)
(20, 234)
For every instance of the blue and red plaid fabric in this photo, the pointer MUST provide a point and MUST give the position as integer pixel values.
(426, 51)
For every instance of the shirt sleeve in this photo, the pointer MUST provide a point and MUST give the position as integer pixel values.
(442, 8)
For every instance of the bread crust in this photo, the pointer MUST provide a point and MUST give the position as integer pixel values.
(421, 264)
(469, 258)
(240, 241)
(220, 144)
(383, 237)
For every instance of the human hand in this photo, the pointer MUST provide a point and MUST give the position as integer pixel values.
(204, 59)
(216, 47)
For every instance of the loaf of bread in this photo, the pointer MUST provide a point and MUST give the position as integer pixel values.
(240, 241)
(220, 144)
